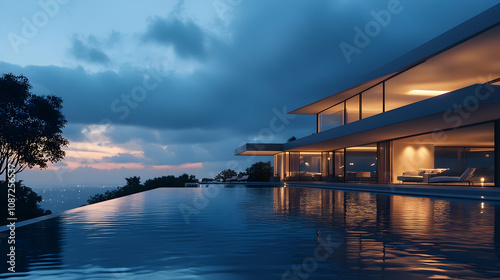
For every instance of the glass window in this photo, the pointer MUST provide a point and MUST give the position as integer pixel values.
(339, 165)
(293, 169)
(310, 166)
(352, 108)
(457, 159)
(483, 160)
(372, 101)
(332, 117)
(279, 165)
(327, 164)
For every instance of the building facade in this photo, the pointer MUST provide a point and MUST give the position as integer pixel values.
(432, 113)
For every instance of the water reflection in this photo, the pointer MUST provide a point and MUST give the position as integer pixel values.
(31, 254)
(251, 233)
(384, 234)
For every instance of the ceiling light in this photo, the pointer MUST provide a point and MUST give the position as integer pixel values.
(427, 92)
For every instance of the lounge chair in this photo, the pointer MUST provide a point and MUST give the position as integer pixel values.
(411, 177)
(466, 176)
(422, 176)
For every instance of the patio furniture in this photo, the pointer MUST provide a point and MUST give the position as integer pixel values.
(420, 176)
(411, 177)
(466, 176)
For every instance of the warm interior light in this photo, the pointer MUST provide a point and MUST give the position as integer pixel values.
(427, 92)
(362, 149)
(482, 180)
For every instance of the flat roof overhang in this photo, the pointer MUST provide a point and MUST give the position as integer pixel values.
(258, 149)
(467, 106)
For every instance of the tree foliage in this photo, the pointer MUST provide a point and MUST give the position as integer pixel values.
(30, 126)
(134, 186)
(260, 172)
(225, 174)
(27, 205)
(170, 181)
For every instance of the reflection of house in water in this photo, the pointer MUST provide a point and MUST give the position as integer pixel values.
(395, 231)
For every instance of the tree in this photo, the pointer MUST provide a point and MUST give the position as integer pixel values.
(27, 203)
(225, 174)
(170, 181)
(260, 172)
(30, 126)
(134, 186)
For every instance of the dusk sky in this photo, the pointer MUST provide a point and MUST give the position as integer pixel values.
(161, 87)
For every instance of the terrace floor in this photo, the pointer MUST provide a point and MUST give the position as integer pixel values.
(451, 191)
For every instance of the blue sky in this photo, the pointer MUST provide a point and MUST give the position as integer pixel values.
(152, 88)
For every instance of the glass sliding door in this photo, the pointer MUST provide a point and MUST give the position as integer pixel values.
(339, 165)
(361, 163)
(294, 166)
(310, 166)
(352, 109)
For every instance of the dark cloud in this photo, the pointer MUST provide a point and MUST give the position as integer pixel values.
(187, 39)
(114, 38)
(84, 52)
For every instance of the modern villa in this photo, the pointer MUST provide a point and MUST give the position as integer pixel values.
(430, 116)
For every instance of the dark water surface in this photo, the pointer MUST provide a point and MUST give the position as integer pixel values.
(235, 232)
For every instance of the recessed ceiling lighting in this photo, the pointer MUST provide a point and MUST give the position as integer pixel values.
(427, 92)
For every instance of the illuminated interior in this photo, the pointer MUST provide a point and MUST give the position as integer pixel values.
(299, 166)
(455, 150)
(361, 164)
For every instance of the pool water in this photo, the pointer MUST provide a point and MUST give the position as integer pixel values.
(238, 232)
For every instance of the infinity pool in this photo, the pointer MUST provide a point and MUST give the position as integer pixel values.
(237, 232)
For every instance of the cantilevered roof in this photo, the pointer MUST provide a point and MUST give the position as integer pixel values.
(471, 28)
(258, 149)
